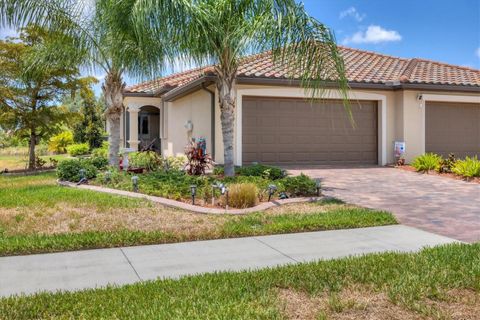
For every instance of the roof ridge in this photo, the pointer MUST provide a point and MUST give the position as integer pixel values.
(447, 64)
(373, 53)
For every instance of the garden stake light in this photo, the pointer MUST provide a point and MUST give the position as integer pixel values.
(193, 190)
(318, 185)
(108, 176)
(271, 190)
(83, 177)
(135, 183)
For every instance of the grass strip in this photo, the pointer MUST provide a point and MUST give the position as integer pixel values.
(409, 280)
(241, 226)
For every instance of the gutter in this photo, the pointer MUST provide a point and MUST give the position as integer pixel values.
(212, 113)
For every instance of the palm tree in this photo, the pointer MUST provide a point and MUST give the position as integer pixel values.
(106, 42)
(221, 32)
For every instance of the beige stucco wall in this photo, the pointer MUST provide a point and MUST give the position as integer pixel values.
(401, 118)
(194, 107)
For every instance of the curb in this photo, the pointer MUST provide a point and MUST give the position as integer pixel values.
(189, 207)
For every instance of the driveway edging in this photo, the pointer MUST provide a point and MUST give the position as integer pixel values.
(189, 207)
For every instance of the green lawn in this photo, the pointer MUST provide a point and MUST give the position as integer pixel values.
(37, 215)
(21, 162)
(438, 283)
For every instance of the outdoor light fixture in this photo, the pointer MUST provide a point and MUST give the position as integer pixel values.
(271, 190)
(108, 176)
(83, 176)
(225, 191)
(135, 183)
(193, 190)
(283, 195)
(318, 185)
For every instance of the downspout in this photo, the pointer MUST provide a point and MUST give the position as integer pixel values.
(212, 106)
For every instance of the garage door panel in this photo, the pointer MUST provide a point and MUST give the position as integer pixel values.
(298, 131)
(452, 128)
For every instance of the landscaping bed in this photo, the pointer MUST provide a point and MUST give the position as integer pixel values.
(171, 179)
(467, 169)
(37, 215)
(436, 283)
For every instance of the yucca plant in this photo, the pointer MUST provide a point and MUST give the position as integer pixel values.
(427, 162)
(468, 168)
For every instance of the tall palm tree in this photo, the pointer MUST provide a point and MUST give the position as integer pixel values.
(221, 32)
(106, 39)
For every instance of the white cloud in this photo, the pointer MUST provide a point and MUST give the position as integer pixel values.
(373, 34)
(352, 12)
(477, 52)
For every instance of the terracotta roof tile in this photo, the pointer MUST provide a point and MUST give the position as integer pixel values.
(360, 66)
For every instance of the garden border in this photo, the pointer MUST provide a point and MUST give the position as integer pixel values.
(189, 207)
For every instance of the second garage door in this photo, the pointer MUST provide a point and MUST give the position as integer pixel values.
(452, 128)
(294, 131)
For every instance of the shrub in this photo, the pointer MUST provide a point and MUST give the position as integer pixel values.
(242, 195)
(98, 162)
(470, 167)
(69, 170)
(301, 185)
(60, 142)
(198, 161)
(78, 149)
(427, 162)
(446, 165)
(102, 151)
(149, 160)
(261, 170)
(175, 162)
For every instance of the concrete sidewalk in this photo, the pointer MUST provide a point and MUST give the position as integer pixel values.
(96, 268)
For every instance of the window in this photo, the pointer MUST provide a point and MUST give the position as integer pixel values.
(143, 124)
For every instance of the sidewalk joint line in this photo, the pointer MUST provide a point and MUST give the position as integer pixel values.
(283, 254)
(131, 265)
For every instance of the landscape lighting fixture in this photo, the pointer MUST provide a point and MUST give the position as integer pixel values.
(135, 183)
(193, 190)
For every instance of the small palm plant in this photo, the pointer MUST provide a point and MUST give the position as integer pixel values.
(427, 162)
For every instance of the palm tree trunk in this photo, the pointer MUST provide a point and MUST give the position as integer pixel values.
(31, 150)
(113, 92)
(227, 116)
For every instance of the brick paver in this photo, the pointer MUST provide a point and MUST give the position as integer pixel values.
(437, 204)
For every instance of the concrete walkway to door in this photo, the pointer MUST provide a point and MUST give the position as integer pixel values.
(437, 204)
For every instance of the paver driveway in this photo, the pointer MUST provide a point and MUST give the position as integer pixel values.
(437, 204)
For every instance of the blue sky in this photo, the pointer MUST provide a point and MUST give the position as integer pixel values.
(440, 30)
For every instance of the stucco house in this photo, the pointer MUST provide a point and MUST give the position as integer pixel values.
(431, 106)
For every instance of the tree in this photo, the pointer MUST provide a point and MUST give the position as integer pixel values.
(29, 95)
(106, 40)
(90, 127)
(222, 32)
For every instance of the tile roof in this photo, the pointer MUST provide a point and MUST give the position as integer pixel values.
(360, 66)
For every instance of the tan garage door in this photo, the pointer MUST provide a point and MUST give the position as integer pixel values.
(294, 131)
(452, 128)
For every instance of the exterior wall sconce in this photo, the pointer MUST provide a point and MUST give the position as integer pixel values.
(189, 126)
(193, 191)
(271, 190)
(135, 183)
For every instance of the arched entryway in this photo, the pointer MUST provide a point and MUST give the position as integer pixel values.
(149, 127)
(142, 127)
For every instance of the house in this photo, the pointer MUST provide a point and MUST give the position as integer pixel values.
(431, 106)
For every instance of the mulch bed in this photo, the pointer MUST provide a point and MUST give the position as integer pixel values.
(435, 173)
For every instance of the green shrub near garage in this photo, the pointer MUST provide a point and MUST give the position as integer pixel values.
(427, 162)
(468, 168)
